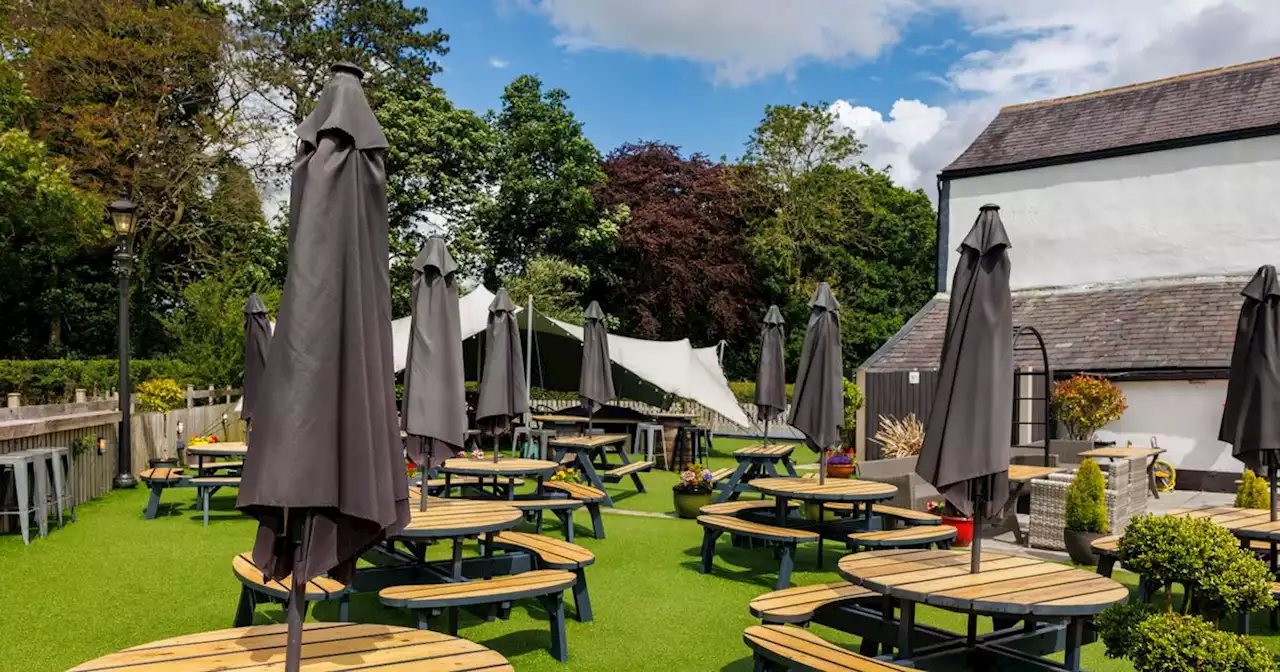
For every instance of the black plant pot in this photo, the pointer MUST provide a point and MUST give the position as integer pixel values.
(1080, 546)
(162, 462)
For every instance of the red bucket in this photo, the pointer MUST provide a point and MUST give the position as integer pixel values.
(964, 529)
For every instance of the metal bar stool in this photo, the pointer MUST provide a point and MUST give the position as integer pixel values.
(60, 469)
(26, 468)
(649, 436)
(516, 433)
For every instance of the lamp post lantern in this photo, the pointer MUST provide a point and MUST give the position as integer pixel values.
(124, 215)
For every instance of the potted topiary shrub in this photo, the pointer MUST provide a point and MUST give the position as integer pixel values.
(840, 463)
(1083, 405)
(1253, 492)
(1085, 511)
(693, 491)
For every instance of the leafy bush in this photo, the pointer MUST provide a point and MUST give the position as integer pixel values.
(54, 381)
(1168, 550)
(1115, 625)
(1253, 492)
(1084, 404)
(1237, 582)
(160, 395)
(745, 390)
(1086, 503)
(1177, 643)
(853, 401)
(209, 326)
(694, 480)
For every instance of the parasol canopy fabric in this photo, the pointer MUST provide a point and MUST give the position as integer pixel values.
(433, 408)
(817, 404)
(257, 340)
(967, 436)
(502, 391)
(771, 373)
(1251, 415)
(595, 380)
(326, 472)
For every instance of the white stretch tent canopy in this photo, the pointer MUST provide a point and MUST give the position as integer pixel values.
(643, 370)
(473, 309)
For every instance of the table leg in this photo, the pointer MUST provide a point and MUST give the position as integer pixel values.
(447, 484)
(1075, 633)
(622, 455)
(790, 467)
(732, 486)
(780, 510)
(457, 559)
(589, 471)
(511, 487)
(769, 469)
(906, 623)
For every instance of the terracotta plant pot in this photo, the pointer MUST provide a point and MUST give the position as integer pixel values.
(839, 470)
(1080, 546)
(688, 503)
(964, 529)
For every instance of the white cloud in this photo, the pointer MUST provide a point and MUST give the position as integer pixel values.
(1044, 48)
(742, 40)
(501, 64)
(892, 143)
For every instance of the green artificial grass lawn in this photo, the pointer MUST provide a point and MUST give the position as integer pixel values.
(113, 580)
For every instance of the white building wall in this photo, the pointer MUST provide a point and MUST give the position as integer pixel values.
(1183, 416)
(1205, 210)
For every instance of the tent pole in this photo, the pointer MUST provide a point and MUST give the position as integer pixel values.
(528, 364)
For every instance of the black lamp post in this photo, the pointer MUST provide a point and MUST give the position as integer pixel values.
(124, 214)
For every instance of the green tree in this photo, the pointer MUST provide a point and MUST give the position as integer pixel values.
(44, 223)
(288, 47)
(814, 216)
(544, 169)
(209, 327)
(437, 160)
(135, 96)
(556, 285)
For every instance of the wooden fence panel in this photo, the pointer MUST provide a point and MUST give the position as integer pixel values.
(893, 395)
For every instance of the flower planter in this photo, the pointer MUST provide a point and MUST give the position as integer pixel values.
(162, 462)
(812, 510)
(688, 503)
(839, 470)
(1080, 546)
(964, 529)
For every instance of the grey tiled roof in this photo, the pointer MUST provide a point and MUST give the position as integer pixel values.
(1242, 97)
(1155, 325)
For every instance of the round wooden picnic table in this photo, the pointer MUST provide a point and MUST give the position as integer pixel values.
(328, 646)
(833, 490)
(229, 449)
(510, 467)
(1006, 586)
(452, 518)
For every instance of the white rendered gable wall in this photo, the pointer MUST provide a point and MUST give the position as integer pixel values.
(1205, 210)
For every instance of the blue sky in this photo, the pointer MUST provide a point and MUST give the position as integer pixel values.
(915, 79)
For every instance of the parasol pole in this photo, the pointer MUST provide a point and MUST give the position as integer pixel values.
(423, 470)
(1271, 476)
(766, 432)
(528, 364)
(822, 466)
(297, 609)
(979, 509)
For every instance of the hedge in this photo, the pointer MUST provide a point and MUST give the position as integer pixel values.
(53, 381)
(745, 390)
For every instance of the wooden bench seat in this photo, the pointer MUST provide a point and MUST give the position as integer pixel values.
(905, 537)
(721, 474)
(732, 508)
(157, 479)
(207, 485)
(562, 507)
(255, 589)
(547, 585)
(797, 649)
(555, 554)
(896, 513)
(435, 484)
(210, 467)
(798, 604)
(615, 474)
(784, 538)
(591, 497)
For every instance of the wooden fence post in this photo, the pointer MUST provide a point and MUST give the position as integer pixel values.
(14, 400)
(191, 402)
(81, 395)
